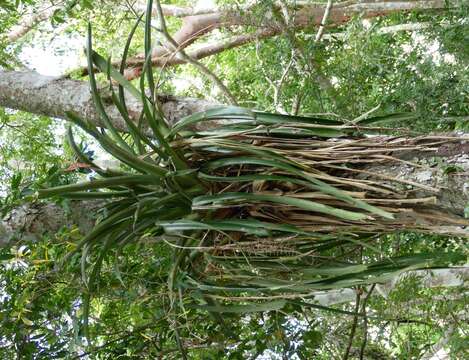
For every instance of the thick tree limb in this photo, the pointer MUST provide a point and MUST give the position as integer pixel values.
(54, 96)
(452, 277)
(207, 49)
(193, 27)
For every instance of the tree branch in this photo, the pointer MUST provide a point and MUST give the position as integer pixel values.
(385, 30)
(176, 11)
(205, 50)
(432, 352)
(28, 22)
(323, 21)
(365, 321)
(354, 326)
(32, 220)
(54, 96)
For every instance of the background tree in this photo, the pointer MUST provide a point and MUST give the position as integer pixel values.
(39, 299)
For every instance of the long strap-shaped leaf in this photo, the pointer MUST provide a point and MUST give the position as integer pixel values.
(237, 197)
(249, 226)
(100, 184)
(96, 97)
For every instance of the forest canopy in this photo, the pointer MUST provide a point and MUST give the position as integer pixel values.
(234, 179)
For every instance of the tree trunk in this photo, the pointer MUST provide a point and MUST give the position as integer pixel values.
(30, 221)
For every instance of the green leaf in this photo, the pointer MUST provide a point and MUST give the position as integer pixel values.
(102, 65)
(101, 183)
(96, 96)
(249, 226)
(6, 257)
(244, 309)
(224, 198)
(217, 112)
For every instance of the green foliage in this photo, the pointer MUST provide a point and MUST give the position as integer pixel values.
(395, 71)
(35, 302)
(169, 267)
(30, 157)
(13, 5)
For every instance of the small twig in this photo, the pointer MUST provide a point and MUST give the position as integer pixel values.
(276, 85)
(261, 62)
(365, 322)
(354, 327)
(126, 335)
(280, 82)
(296, 104)
(310, 64)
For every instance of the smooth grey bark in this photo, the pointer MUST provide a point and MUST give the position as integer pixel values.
(54, 96)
